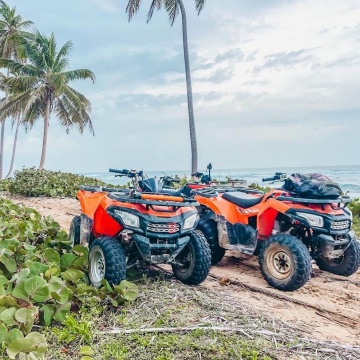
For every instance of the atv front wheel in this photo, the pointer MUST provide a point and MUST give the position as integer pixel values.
(106, 261)
(209, 229)
(285, 262)
(74, 232)
(345, 265)
(194, 261)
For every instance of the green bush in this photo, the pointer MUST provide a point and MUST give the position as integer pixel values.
(33, 182)
(41, 278)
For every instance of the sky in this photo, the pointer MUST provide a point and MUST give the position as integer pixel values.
(275, 83)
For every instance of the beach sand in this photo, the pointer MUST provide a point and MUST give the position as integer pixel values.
(326, 308)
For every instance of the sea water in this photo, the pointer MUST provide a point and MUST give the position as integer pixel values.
(347, 176)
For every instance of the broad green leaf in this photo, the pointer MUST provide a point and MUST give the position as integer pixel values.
(80, 263)
(67, 260)
(37, 288)
(40, 342)
(61, 312)
(37, 268)
(59, 292)
(29, 247)
(52, 272)
(47, 312)
(19, 292)
(12, 335)
(8, 301)
(73, 275)
(87, 358)
(3, 280)
(23, 274)
(52, 256)
(9, 263)
(8, 317)
(86, 350)
(20, 345)
(80, 250)
(127, 290)
(26, 318)
(3, 332)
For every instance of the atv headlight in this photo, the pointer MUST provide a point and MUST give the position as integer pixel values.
(190, 222)
(313, 220)
(128, 219)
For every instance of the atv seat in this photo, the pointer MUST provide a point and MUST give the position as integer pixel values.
(241, 199)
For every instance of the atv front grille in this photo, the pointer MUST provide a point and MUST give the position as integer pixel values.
(340, 225)
(169, 228)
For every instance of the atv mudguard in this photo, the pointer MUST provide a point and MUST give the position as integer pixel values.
(89, 201)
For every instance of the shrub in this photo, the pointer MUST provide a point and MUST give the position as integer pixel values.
(33, 182)
(41, 279)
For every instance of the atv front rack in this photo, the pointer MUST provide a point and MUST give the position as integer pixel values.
(152, 202)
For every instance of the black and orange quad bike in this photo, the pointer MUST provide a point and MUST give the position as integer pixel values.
(125, 227)
(288, 227)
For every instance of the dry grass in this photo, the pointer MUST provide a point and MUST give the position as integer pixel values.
(166, 303)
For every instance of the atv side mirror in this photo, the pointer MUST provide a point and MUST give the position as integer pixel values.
(209, 167)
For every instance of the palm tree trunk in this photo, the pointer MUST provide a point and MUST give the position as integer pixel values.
(14, 146)
(45, 136)
(2, 138)
(194, 155)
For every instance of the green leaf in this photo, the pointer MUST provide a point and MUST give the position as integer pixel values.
(23, 274)
(8, 317)
(37, 268)
(67, 260)
(3, 280)
(52, 256)
(9, 263)
(37, 288)
(29, 247)
(26, 318)
(40, 342)
(61, 311)
(8, 301)
(86, 350)
(47, 312)
(73, 275)
(20, 345)
(127, 290)
(12, 335)
(19, 292)
(59, 292)
(52, 272)
(3, 332)
(80, 263)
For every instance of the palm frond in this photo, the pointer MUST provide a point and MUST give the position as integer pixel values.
(132, 8)
(79, 74)
(155, 5)
(172, 8)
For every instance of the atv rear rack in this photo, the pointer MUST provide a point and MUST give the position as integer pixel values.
(340, 200)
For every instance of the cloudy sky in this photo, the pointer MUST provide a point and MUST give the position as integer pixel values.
(275, 82)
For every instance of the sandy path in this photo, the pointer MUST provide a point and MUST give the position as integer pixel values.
(327, 307)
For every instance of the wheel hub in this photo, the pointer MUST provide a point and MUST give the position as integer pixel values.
(282, 262)
(279, 262)
(97, 265)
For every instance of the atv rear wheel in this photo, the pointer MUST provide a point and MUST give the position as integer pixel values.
(194, 260)
(209, 229)
(74, 232)
(345, 265)
(106, 261)
(285, 262)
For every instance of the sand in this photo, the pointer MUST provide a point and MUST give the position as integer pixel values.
(326, 308)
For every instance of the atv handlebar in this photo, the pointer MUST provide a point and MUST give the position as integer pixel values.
(121, 172)
(273, 178)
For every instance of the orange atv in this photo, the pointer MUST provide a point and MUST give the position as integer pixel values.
(284, 228)
(124, 227)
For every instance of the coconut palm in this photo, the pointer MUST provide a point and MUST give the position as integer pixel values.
(41, 87)
(173, 7)
(12, 34)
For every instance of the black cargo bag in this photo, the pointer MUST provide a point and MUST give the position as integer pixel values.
(312, 186)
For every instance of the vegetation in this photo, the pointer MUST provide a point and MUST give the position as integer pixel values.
(41, 280)
(37, 81)
(12, 35)
(33, 182)
(355, 208)
(173, 7)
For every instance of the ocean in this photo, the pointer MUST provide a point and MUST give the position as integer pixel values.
(347, 176)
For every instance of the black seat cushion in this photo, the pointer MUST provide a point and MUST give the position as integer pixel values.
(241, 199)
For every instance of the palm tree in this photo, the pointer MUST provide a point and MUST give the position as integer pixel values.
(173, 7)
(41, 87)
(12, 34)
